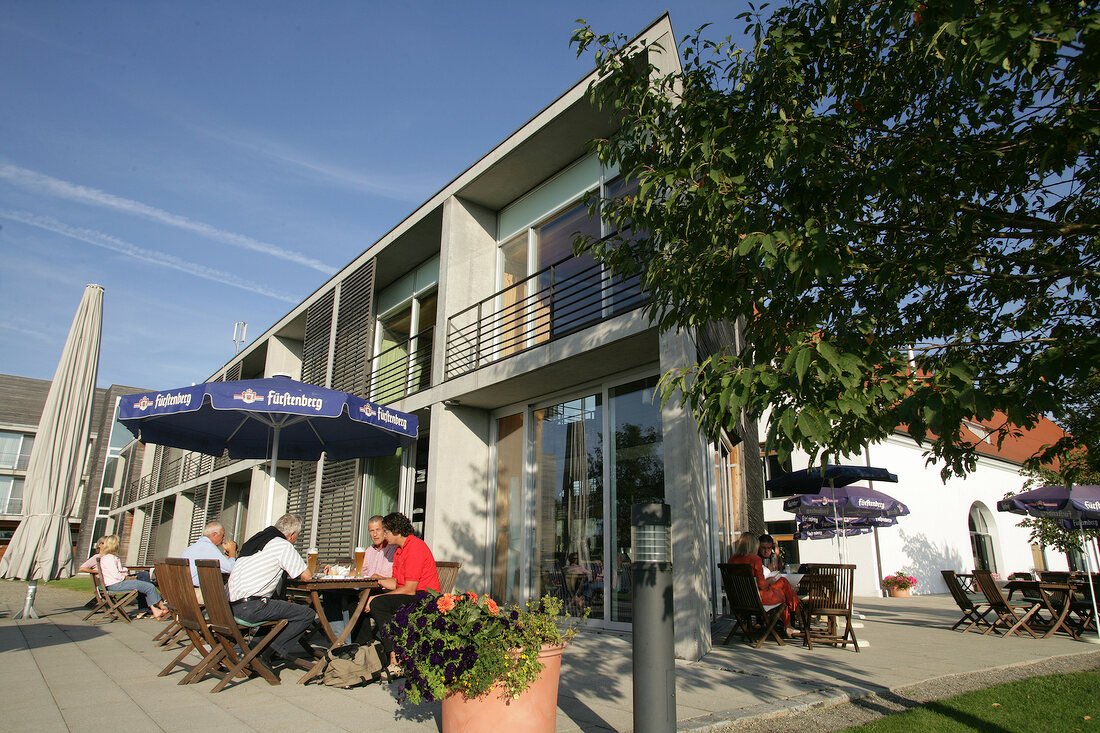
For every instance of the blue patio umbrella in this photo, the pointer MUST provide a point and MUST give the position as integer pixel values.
(846, 502)
(267, 418)
(823, 491)
(1075, 506)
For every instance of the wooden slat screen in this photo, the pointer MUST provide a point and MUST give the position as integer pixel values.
(316, 340)
(198, 516)
(339, 509)
(351, 360)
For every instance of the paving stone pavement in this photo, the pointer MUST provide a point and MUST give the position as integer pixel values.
(60, 673)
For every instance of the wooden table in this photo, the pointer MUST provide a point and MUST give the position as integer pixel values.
(315, 588)
(1047, 595)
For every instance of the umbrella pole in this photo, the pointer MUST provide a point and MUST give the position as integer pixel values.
(271, 477)
(28, 603)
(1088, 570)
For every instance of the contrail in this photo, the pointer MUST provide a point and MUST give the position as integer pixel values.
(42, 183)
(161, 259)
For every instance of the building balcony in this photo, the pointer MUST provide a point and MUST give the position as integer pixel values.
(560, 300)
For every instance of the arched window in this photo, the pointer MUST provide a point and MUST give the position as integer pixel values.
(981, 541)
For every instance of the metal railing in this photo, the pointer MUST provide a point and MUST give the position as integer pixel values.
(555, 302)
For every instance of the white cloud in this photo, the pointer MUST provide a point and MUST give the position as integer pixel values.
(41, 183)
(160, 259)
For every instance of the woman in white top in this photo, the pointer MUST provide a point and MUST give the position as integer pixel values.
(115, 577)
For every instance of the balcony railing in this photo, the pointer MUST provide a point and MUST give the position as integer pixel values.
(554, 302)
(403, 369)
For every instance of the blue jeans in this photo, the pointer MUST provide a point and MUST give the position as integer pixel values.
(300, 618)
(147, 590)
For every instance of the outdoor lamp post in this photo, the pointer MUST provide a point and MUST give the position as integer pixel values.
(651, 576)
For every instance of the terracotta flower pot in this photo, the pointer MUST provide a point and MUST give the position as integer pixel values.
(535, 711)
(898, 592)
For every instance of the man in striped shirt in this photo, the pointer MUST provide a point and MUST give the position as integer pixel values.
(257, 573)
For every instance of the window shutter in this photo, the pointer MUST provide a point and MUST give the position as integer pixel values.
(351, 361)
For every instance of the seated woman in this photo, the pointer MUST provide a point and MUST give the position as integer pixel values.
(413, 571)
(115, 577)
(776, 589)
(769, 554)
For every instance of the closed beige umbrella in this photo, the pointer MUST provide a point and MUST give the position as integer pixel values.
(42, 546)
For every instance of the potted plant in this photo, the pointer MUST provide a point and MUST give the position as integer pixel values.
(898, 584)
(493, 667)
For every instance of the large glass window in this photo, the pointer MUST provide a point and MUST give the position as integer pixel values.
(15, 450)
(567, 448)
(637, 475)
(569, 292)
(563, 497)
(403, 348)
(11, 495)
(981, 542)
(572, 288)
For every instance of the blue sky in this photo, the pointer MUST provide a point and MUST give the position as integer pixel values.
(210, 162)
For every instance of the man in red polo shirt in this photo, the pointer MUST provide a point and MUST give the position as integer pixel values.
(413, 570)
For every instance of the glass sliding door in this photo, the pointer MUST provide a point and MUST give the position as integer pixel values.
(637, 474)
(567, 457)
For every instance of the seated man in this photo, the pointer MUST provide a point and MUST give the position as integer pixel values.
(379, 559)
(259, 569)
(211, 546)
(413, 571)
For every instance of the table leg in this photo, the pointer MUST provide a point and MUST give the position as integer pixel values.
(319, 666)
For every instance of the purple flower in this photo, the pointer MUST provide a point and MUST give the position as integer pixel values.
(421, 621)
(436, 659)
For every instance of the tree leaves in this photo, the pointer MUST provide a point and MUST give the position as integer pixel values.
(898, 201)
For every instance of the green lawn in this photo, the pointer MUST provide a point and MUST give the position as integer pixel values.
(82, 581)
(1064, 702)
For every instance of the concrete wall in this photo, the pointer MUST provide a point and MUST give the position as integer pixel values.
(284, 356)
(457, 505)
(686, 493)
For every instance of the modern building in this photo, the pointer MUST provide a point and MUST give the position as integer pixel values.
(21, 403)
(533, 374)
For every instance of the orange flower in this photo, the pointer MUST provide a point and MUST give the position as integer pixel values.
(492, 606)
(472, 596)
(446, 602)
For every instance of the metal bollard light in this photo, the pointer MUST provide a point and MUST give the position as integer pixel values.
(28, 602)
(651, 576)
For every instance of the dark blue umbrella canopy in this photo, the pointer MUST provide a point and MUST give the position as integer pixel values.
(809, 480)
(846, 502)
(1056, 502)
(244, 417)
(815, 527)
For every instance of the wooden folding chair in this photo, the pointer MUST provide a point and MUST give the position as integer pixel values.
(228, 630)
(172, 632)
(743, 595)
(1009, 615)
(111, 604)
(448, 574)
(828, 595)
(973, 611)
(175, 583)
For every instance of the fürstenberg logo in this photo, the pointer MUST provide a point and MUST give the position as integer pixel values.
(384, 415)
(293, 400)
(163, 400)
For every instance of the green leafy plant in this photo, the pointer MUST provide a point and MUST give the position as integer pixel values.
(466, 643)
